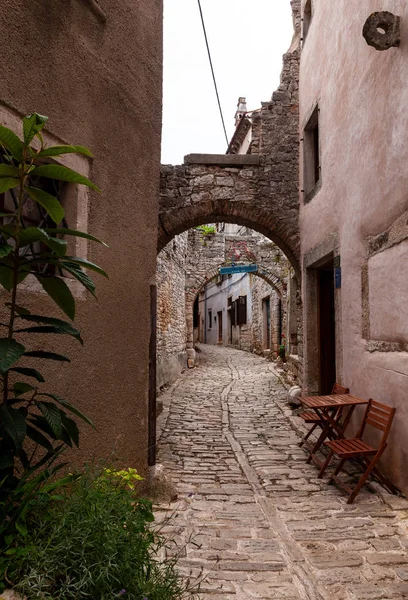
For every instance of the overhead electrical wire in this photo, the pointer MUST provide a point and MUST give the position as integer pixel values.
(212, 71)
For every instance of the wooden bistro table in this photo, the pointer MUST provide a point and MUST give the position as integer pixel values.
(334, 413)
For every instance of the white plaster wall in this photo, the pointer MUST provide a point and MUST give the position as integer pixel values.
(217, 300)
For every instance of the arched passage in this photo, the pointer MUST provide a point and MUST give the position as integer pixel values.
(197, 284)
(258, 190)
(195, 195)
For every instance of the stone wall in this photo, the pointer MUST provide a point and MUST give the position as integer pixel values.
(261, 291)
(171, 310)
(186, 265)
(259, 190)
(207, 253)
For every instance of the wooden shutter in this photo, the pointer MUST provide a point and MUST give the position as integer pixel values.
(242, 310)
(233, 313)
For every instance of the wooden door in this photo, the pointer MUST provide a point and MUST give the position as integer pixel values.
(266, 311)
(219, 320)
(327, 331)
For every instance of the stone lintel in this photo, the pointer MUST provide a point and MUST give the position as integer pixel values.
(222, 160)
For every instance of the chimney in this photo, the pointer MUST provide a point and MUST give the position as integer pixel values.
(241, 110)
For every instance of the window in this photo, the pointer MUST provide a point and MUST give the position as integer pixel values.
(307, 19)
(33, 215)
(74, 199)
(210, 319)
(242, 310)
(311, 156)
(231, 309)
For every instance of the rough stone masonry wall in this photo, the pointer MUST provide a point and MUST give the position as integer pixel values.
(259, 191)
(171, 315)
(262, 195)
(183, 268)
(261, 290)
(207, 254)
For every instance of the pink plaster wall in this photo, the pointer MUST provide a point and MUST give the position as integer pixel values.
(363, 99)
(388, 285)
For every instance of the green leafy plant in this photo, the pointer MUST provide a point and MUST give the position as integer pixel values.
(35, 425)
(282, 352)
(96, 542)
(206, 230)
(124, 477)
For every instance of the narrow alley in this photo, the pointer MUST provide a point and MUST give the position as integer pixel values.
(251, 518)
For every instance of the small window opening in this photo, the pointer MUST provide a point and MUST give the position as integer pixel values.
(210, 319)
(233, 312)
(242, 310)
(33, 215)
(311, 155)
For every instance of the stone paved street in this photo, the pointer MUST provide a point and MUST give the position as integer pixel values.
(251, 515)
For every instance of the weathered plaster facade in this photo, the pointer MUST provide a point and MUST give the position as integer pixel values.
(265, 315)
(63, 60)
(359, 209)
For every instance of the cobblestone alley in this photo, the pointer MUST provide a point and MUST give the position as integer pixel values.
(251, 514)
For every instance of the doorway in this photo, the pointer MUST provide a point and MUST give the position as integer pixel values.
(230, 308)
(219, 321)
(327, 328)
(266, 314)
(196, 320)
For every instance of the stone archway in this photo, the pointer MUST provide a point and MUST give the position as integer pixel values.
(199, 193)
(197, 283)
(259, 189)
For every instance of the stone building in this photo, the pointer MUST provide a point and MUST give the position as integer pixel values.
(243, 311)
(171, 310)
(189, 265)
(354, 207)
(254, 185)
(73, 62)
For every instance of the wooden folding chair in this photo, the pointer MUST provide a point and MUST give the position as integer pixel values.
(379, 416)
(312, 418)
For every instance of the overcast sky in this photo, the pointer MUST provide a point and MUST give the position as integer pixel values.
(247, 41)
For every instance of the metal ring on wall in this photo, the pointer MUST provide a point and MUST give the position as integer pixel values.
(382, 30)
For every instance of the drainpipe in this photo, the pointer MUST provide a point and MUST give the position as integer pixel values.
(152, 378)
(205, 314)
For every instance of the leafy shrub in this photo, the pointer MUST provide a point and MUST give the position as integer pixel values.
(206, 230)
(95, 542)
(35, 424)
(282, 351)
